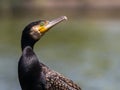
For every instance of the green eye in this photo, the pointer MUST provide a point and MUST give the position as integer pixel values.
(42, 23)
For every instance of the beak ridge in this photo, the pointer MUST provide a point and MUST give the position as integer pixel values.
(56, 21)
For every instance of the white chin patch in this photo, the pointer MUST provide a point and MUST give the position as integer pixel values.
(35, 33)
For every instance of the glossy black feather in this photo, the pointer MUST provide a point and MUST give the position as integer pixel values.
(30, 71)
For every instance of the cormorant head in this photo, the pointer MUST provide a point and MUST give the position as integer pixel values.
(35, 30)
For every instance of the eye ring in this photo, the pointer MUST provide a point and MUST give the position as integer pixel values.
(42, 23)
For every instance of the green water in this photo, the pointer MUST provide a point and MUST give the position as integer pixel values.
(85, 50)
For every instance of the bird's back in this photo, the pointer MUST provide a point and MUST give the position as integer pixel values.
(34, 75)
(56, 81)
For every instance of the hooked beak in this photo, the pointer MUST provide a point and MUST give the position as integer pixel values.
(50, 24)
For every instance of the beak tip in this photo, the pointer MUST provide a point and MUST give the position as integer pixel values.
(65, 17)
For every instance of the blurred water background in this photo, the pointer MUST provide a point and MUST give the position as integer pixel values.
(86, 48)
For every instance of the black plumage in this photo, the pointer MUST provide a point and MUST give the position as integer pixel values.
(34, 75)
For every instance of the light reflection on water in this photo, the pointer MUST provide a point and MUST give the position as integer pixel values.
(90, 56)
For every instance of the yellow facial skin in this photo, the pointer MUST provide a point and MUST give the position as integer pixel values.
(42, 29)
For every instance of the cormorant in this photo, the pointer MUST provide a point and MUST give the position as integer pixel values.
(33, 74)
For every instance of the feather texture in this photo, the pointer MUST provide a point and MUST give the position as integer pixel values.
(56, 81)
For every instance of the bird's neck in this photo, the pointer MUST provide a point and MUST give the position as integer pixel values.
(29, 61)
(28, 68)
(27, 43)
